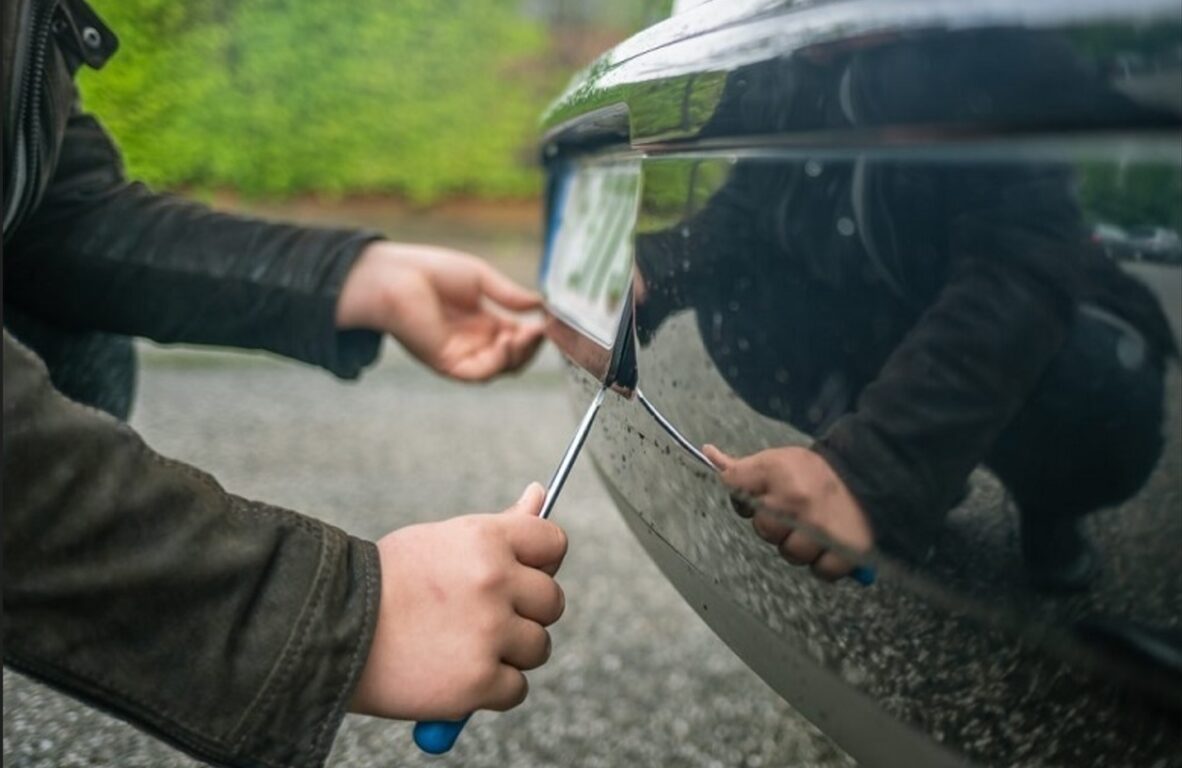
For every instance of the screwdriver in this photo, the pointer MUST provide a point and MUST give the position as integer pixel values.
(436, 737)
(862, 574)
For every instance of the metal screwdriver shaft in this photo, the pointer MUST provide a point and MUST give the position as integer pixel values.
(436, 737)
(572, 453)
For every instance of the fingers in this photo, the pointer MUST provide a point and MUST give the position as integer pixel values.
(525, 342)
(750, 473)
(530, 502)
(799, 548)
(535, 542)
(484, 362)
(508, 689)
(742, 501)
(772, 526)
(538, 543)
(720, 459)
(507, 293)
(537, 597)
(527, 645)
(508, 348)
(831, 566)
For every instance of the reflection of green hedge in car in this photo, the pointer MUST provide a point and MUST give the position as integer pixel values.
(1132, 196)
(672, 190)
(273, 97)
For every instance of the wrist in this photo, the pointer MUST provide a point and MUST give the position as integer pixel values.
(368, 293)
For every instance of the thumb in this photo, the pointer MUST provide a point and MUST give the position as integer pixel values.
(530, 502)
(715, 454)
(507, 293)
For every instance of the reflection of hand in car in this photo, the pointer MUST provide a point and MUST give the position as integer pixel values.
(795, 487)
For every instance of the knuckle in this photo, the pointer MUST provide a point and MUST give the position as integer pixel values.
(829, 567)
(484, 679)
(487, 626)
(798, 549)
(534, 650)
(488, 576)
(559, 603)
(513, 693)
(478, 528)
(561, 542)
(768, 528)
(519, 692)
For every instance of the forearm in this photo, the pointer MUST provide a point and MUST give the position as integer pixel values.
(943, 397)
(105, 254)
(233, 629)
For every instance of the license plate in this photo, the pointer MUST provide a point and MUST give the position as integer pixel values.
(587, 267)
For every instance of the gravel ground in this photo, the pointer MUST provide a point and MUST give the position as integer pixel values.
(636, 678)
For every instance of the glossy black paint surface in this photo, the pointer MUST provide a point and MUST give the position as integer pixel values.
(815, 184)
(891, 70)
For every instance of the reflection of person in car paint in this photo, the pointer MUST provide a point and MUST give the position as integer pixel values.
(929, 317)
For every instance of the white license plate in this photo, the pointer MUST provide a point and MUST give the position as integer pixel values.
(587, 267)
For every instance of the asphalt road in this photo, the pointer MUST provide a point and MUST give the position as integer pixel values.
(636, 678)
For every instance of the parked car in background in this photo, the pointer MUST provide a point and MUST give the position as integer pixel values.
(1114, 241)
(863, 225)
(1156, 244)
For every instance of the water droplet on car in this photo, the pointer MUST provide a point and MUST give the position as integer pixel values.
(1130, 351)
(813, 168)
(845, 226)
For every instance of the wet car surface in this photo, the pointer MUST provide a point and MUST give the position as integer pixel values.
(839, 223)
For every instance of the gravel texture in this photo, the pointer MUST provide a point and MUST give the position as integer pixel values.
(636, 678)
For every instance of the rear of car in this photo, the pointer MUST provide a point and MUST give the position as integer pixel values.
(753, 205)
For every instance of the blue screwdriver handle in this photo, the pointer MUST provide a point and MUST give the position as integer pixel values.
(437, 736)
(864, 575)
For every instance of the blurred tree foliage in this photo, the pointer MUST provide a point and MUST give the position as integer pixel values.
(420, 98)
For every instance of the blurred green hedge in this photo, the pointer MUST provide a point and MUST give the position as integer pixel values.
(419, 98)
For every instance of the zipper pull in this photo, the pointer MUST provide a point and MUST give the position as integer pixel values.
(77, 25)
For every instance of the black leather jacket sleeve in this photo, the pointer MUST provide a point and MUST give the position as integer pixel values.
(978, 351)
(101, 253)
(941, 401)
(233, 629)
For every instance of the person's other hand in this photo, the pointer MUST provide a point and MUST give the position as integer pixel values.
(450, 310)
(464, 607)
(793, 487)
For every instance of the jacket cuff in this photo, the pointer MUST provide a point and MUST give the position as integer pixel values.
(889, 495)
(298, 713)
(343, 353)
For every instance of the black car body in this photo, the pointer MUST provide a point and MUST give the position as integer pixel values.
(753, 205)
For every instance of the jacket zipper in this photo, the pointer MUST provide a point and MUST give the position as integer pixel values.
(28, 144)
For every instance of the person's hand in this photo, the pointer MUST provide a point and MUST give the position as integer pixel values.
(463, 609)
(793, 487)
(450, 310)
